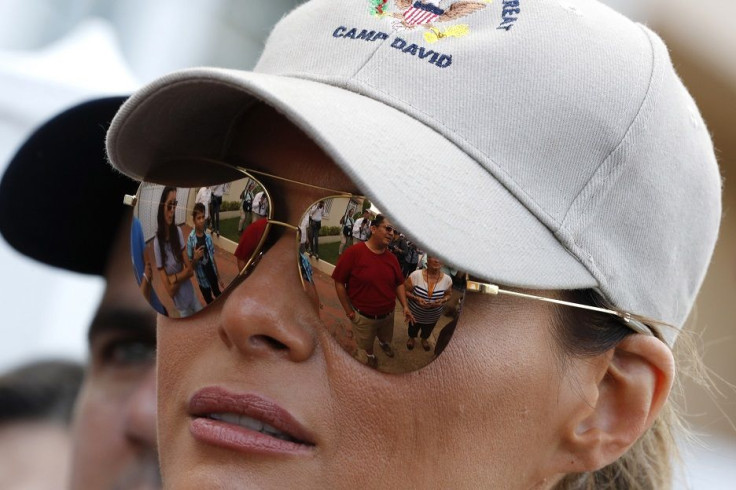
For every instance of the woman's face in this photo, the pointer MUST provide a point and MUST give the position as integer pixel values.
(485, 414)
(434, 264)
(169, 207)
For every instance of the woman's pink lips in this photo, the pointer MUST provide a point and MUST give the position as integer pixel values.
(214, 400)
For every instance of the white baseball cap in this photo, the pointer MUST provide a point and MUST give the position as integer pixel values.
(575, 156)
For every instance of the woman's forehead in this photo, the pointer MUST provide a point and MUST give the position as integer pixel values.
(265, 140)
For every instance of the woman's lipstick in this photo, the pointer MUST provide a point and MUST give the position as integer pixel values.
(246, 422)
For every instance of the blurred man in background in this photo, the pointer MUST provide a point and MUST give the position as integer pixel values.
(61, 204)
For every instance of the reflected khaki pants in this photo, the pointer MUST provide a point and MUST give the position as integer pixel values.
(366, 330)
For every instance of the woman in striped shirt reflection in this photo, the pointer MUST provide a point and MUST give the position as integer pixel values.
(427, 291)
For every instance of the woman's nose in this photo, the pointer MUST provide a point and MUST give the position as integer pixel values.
(140, 416)
(269, 313)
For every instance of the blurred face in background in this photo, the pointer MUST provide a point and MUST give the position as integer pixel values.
(115, 416)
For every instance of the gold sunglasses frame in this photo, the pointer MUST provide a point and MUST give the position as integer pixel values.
(632, 321)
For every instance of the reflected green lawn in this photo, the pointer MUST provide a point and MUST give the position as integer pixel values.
(229, 229)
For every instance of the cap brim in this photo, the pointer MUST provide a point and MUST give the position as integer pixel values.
(428, 186)
(60, 203)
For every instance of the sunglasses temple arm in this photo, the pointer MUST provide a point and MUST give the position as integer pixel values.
(493, 289)
(285, 225)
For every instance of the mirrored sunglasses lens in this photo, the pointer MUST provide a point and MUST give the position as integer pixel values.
(344, 259)
(185, 255)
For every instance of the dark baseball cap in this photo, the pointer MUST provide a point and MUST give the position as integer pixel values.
(58, 187)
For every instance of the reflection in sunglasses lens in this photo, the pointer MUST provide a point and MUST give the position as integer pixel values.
(356, 282)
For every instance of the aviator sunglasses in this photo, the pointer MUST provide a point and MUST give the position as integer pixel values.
(201, 246)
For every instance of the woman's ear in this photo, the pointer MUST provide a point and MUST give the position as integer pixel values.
(612, 413)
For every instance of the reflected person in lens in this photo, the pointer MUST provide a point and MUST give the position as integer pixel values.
(361, 227)
(172, 261)
(368, 281)
(428, 291)
(200, 241)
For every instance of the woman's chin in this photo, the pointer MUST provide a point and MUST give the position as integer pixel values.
(228, 472)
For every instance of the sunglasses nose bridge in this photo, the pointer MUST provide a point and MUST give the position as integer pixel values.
(277, 232)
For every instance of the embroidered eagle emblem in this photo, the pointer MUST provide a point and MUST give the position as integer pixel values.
(412, 14)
